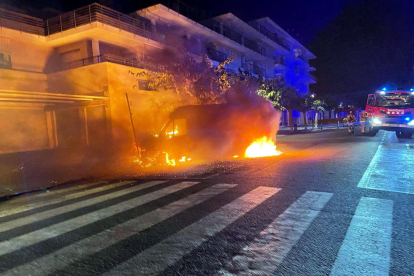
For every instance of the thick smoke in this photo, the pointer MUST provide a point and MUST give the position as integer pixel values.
(242, 117)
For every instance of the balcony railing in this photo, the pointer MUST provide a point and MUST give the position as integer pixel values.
(76, 18)
(259, 71)
(184, 9)
(133, 62)
(216, 55)
(21, 22)
(101, 14)
(254, 46)
(268, 34)
(248, 67)
(254, 69)
(303, 58)
(233, 35)
(280, 60)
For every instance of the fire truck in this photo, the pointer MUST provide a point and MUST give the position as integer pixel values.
(392, 111)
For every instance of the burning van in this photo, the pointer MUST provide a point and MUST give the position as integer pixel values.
(209, 132)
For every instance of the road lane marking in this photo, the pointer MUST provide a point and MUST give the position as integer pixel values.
(93, 244)
(75, 206)
(72, 224)
(42, 201)
(266, 252)
(367, 244)
(386, 160)
(158, 257)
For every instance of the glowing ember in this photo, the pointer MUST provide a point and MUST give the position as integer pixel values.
(172, 133)
(170, 162)
(236, 156)
(182, 159)
(262, 147)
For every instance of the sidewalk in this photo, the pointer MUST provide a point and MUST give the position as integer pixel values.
(286, 130)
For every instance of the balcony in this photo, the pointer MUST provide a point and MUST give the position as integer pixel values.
(253, 69)
(248, 67)
(303, 58)
(98, 13)
(312, 77)
(133, 62)
(76, 18)
(268, 34)
(280, 61)
(259, 71)
(233, 35)
(184, 9)
(21, 22)
(216, 55)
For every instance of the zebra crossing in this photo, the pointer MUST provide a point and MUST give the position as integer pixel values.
(391, 156)
(110, 233)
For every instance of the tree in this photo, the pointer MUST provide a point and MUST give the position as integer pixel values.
(317, 105)
(282, 97)
(304, 105)
(180, 72)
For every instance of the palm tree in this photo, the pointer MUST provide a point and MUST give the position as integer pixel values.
(318, 106)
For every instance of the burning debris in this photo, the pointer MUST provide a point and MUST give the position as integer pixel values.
(261, 148)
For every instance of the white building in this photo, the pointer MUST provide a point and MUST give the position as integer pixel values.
(258, 46)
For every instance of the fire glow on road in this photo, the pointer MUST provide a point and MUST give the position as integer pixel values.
(262, 147)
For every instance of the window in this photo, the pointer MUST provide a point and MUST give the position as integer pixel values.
(176, 127)
(143, 85)
(396, 100)
(371, 100)
(5, 58)
(4, 44)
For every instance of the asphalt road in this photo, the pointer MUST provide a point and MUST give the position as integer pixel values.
(331, 204)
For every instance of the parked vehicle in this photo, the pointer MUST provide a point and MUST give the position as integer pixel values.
(212, 131)
(392, 111)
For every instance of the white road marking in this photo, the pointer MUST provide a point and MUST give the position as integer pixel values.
(263, 255)
(158, 257)
(367, 244)
(78, 250)
(72, 224)
(377, 176)
(32, 202)
(74, 206)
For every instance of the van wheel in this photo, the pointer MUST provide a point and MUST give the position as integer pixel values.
(406, 135)
(403, 134)
(373, 132)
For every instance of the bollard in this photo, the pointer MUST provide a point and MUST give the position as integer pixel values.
(321, 127)
(295, 127)
(338, 124)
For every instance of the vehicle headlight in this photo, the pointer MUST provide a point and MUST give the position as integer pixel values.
(411, 123)
(376, 121)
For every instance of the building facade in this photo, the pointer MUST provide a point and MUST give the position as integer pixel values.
(64, 80)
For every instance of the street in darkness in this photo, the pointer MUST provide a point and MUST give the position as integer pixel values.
(331, 204)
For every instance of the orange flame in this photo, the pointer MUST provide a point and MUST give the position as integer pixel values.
(262, 147)
(170, 162)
